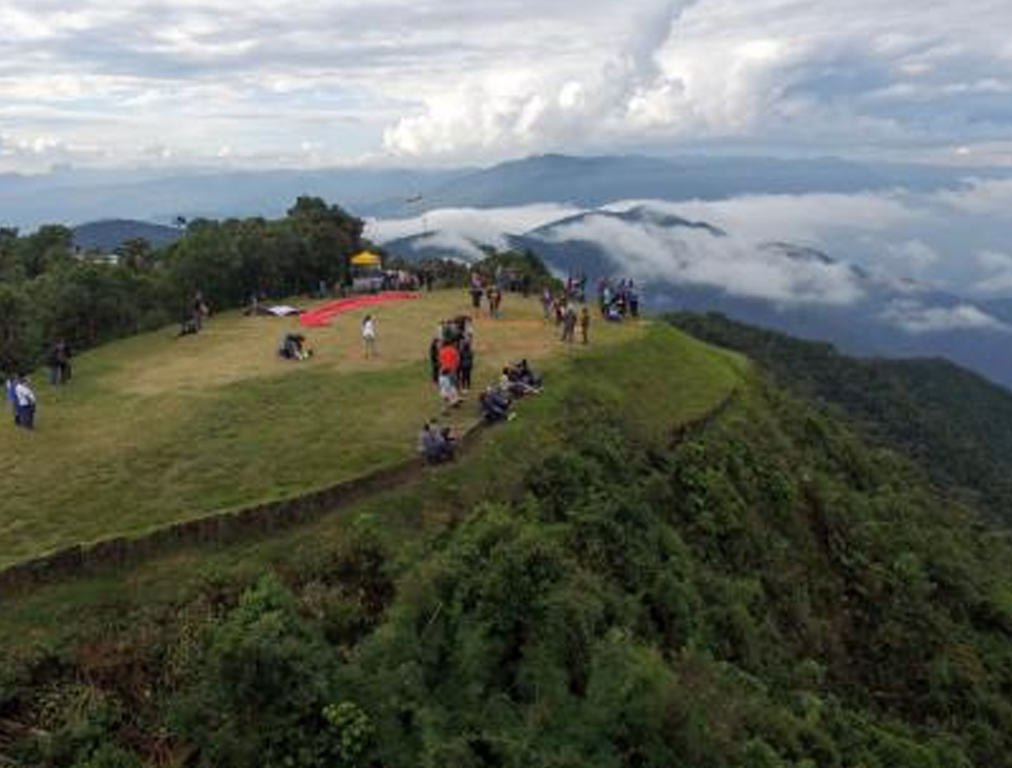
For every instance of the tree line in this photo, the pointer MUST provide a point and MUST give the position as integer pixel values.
(48, 291)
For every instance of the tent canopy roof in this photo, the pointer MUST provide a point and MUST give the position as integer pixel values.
(365, 259)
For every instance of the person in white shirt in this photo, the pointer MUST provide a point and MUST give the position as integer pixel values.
(25, 401)
(369, 335)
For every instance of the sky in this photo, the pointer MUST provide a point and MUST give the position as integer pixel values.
(448, 82)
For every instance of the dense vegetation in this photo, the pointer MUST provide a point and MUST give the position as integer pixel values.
(47, 291)
(954, 423)
(762, 589)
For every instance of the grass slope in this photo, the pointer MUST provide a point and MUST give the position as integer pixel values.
(155, 429)
(658, 379)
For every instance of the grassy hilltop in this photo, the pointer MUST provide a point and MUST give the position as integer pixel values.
(155, 429)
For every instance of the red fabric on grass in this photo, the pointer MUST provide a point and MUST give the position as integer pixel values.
(323, 314)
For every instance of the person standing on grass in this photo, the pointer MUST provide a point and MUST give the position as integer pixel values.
(476, 290)
(546, 302)
(369, 336)
(25, 400)
(465, 365)
(10, 387)
(434, 357)
(585, 325)
(569, 325)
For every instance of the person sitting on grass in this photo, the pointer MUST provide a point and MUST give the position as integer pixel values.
(511, 382)
(527, 375)
(495, 405)
(294, 347)
(188, 327)
(436, 445)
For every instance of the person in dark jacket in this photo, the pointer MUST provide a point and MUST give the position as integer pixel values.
(465, 366)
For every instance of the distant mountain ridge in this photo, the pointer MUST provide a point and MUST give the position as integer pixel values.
(74, 195)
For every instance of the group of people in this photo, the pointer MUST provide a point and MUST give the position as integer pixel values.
(517, 381)
(491, 292)
(436, 444)
(561, 308)
(451, 358)
(18, 391)
(618, 301)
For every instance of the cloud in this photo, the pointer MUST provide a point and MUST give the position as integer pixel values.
(916, 318)
(488, 226)
(448, 80)
(981, 197)
(913, 257)
(996, 269)
(798, 218)
(771, 69)
(651, 253)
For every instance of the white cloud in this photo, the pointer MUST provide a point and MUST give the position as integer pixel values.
(917, 318)
(488, 226)
(996, 269)
(445, 79)
(798, 218)
(913, 257)
(649, 253)
(813, 71)
(981, 197)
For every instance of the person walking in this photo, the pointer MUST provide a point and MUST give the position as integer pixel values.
(585, 325)
(369, 336)
(25, 399)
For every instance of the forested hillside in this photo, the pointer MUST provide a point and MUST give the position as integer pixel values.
(602, 584)
(954, 423)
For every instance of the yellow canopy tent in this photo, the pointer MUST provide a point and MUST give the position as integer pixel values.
(365, 259)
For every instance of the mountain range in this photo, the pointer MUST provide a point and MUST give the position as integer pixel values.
(72, 195)
(693, 265)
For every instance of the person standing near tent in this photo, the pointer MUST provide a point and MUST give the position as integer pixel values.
(369, 336)
(25, 400)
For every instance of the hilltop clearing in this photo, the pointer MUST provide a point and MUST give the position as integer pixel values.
(155, 429)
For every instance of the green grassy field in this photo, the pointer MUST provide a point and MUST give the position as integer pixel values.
(658, 378)
(155, 429)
